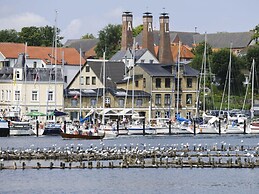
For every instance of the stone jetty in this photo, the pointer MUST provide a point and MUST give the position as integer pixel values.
(132, 156)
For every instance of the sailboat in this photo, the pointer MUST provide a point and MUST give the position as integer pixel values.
(107, 128)
(210, 123)
(235, 123)
(254, 125)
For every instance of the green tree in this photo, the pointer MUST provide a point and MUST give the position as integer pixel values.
(256, 34)
(88, 36)
(198, 51)
(253, 53)
(109, 40)
(220, 66)
(9, 36)
(40, 36)
(136, 31)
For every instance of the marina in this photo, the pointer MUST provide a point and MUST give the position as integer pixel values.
(211, 163)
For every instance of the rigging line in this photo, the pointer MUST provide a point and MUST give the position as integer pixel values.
(249, 79)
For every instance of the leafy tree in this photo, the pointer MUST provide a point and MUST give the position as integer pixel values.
(220, 66)
(109, 40)
(136, 31)
(88, 36)
(256, 33)
(253, 53)
(198, 51)
(42, 36)
(9, 36)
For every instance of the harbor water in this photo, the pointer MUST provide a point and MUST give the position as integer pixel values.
(129, 180)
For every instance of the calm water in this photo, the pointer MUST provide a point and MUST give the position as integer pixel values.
(195, 180)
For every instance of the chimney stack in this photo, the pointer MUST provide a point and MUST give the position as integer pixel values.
(127, 35)
(165, 54)
(147, 36)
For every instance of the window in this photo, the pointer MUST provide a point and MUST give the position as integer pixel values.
(189, 82)
(167, 99)
(121, 102)
(17, 95)
(158, 82)
(151, 61)
(65, 79)
(158, 114)
(139, 102)
(93, 102)
(82, 80)
(136, 83)
(188, 98)
(8, 95)
(107, 102)
(34, 96)
(49, 115)
(17, 74)
(93, 80)
(52, 77)
(87, 80)
(144, 82)
(74, 102)
(167, 83)
(2, 95)
(158, 99)
(50, 95)
(176, 84)
(179, 101)
(167, 114)
(87, 68)
(34, 64)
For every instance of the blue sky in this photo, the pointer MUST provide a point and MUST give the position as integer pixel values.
(79, 17)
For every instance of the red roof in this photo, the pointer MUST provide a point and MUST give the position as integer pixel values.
(71, 56)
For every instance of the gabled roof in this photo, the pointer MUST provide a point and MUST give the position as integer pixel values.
(155, 70)
(12, 50)
(84, 44)
(223, 39)
(114, 70)
(121, 54)
(185, 53)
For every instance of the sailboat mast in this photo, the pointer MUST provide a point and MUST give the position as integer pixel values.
(133, 75)
(80, 85)
(229, 74)
(178, 78)
(104, 85)
(55, 53)
(204, 74)
(252, 98)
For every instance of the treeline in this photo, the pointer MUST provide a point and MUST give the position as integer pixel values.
(33, 36)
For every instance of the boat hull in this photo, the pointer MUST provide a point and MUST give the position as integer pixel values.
(81, 136)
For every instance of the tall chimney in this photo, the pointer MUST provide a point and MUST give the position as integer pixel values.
(127, 36)
(148, 36)
(165, 54)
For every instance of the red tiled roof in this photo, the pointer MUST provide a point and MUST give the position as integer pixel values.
(12, 50)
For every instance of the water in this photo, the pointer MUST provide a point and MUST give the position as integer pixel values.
(171, 180)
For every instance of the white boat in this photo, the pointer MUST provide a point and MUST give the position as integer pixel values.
(236, 126)
(20, 128)
(209, 127)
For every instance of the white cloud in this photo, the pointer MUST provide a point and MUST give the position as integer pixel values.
(17, 22)
(73, 30)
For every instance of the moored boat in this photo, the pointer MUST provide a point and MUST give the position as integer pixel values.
(82, 136)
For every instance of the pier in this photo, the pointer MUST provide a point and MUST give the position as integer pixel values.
(132, 156)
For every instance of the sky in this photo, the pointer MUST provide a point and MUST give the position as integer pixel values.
(79, 17)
